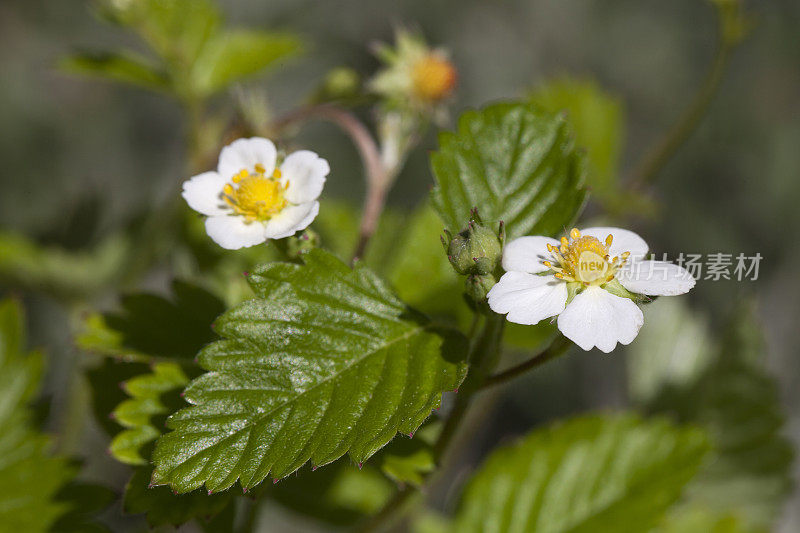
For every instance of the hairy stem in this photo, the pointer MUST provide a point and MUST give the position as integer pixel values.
(657, 157)
(377, 177)
(556, 349)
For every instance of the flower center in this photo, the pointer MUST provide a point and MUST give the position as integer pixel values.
(433, 77)
(255, 195)
(584, 259)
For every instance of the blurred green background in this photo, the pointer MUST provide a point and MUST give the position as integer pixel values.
(82, 159)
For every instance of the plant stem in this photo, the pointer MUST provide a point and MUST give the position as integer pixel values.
(377, 176)
(657, 157)
(556, 349)
(483, 356)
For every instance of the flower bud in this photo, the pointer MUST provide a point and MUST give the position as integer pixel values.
(475, 250)
(477, 286)
(296, 246)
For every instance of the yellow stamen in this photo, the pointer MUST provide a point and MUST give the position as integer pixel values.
(256, 197)
(584, 259)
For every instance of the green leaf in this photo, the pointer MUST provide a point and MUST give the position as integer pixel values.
(338, 494)
(409, 461)
(57, 271)
(596, 118)
(149, 398)
(673, 351)
(419, 255)
(162, 507)
(176, 30)
(121, 67)
(326, 361)
(231, 56)
(697, 519)
(84, 501)
(595, 473)
(513, 162)
(749, 473)
(159, 327)
(30, 478)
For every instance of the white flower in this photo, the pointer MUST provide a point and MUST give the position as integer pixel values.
(583, 280)
(249, 200)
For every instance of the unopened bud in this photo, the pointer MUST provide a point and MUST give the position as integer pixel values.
(298, 245)
(475, 250)
(477, 286)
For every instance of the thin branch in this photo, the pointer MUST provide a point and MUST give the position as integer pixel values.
(377, 177)
(555, 350)
(658, 156)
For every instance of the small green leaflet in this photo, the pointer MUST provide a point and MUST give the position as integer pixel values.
(325, 361)
(596, 473)
(147, 401)
(30, 477)
(513, 162)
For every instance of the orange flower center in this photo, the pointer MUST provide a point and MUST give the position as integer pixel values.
(434, 77)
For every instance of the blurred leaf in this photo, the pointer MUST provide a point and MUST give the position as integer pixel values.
(148, 323)
(428, 521)
(30, 478)
(596, 473)
(513, 162)
(323, 362)
(84, 501)
(56, 271)
(338, 494)
(674, 350)
(149, 392)
(749, 473)
(597, 121)
(409, 461)
(176, 30)
(124, 67)
(529, 337)
(231, 56)
(148, 399)
(688, 519)
(106, 381)
(419, 255)
(162, 507)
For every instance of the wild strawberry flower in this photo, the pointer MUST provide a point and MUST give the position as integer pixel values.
(249, 199)
(588, 280)
(414, 72)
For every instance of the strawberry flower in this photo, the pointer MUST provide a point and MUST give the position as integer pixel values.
(589, 280)
(249, 199)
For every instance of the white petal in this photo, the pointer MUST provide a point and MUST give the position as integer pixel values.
(526, 254)
(624, 240)
(232, 232)
(598, 318)
(656, 278)
(291, 219)
(305, 171)
(244, 154)
(202, 193)
(528, 298)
